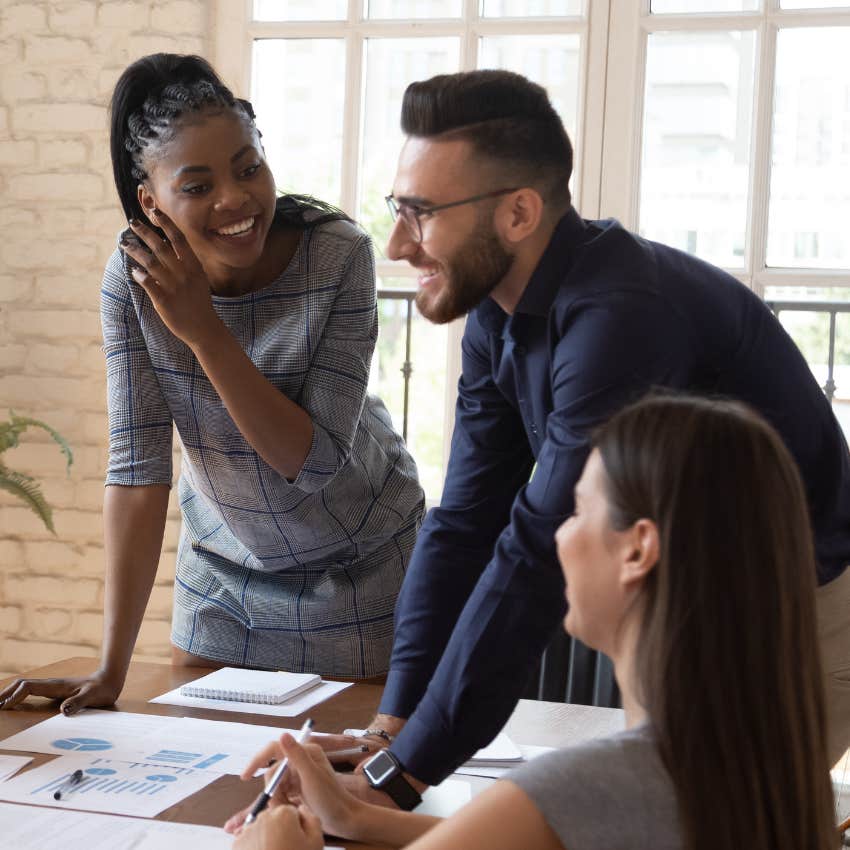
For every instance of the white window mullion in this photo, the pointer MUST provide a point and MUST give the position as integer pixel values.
(760, 157)
(351, 124)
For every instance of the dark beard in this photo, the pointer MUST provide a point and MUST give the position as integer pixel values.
(480, 265)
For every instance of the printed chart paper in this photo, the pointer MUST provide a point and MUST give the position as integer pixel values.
(33, 828)
(121, 788)
(210, 745)
(10, 765)
(291, 708)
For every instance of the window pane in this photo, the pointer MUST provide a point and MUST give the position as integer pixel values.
(530, 8)
(553, 61)
(809, 185)
(427, 387)
(300, 10)
(810, 330)
(696, 142)
(391, 65)
(414, 8)
(302, 133)
(660, 7)
(814, 4)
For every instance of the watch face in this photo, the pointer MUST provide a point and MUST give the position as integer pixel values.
(379, 768)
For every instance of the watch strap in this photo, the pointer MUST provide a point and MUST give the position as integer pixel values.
(403, 794)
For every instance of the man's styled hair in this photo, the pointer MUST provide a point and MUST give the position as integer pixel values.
(506, 118)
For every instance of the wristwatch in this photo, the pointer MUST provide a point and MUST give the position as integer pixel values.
(384, 772)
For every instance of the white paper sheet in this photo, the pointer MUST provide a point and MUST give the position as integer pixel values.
(210, 745)
(492, 772)
(10, 765)
(34, 828)
(443, 800)
(291, 708)
(115, 787)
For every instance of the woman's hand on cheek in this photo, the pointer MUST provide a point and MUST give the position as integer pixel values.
(282, 827)
(174, 280)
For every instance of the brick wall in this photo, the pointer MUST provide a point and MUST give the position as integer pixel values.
(59, 217)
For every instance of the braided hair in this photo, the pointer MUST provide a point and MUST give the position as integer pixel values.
(150, 98)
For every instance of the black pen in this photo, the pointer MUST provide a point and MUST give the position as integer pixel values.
(69, 784)
(268, 792)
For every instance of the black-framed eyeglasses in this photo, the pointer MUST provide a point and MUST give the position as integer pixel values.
(411, 214)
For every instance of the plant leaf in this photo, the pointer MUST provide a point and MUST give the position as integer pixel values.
(28, 490)
(21, 423)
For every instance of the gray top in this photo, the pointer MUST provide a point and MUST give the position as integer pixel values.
(298, 574)
(610, 794)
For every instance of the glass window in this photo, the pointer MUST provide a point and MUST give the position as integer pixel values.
(553, 61)
(696, 142)
(661, 7)
(414, 8)
(814, 4)
(530, 8)
(300, 10)
(391, 65)
(427, 386)
(810, 156)
(303, 144)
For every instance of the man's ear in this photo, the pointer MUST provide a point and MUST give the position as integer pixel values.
(519, 215)
(642, 550)
(146, 201)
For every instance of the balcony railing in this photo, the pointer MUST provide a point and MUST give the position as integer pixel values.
(830, 308)
(408, 296)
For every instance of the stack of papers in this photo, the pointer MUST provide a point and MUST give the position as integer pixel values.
(10, 765)
(500, 752)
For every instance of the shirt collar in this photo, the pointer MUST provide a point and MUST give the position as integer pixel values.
(550, 272)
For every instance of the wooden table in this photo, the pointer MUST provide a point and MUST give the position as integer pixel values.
(533, 722)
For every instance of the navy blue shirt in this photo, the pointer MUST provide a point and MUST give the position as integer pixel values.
(605, 317)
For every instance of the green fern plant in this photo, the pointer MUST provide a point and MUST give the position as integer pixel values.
(23, 486)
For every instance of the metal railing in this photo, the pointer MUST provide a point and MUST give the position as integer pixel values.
(408, 296)
(832, 309)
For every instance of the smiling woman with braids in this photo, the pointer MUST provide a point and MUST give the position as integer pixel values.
(248, 322)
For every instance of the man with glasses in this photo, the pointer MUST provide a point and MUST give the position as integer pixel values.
(568, 321)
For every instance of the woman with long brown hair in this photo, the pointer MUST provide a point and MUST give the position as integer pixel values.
(689, 561)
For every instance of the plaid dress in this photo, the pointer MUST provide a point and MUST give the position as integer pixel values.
(299, 575)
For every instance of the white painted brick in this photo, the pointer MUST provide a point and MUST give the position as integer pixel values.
(180, 17)
(18, 85)
(53, 590)
(12, 555)
(41, 623)
(44, 459)
(88, 626)
(124, 15)
(10, 619)
(92, 562)
(72, 18)
(28, 392)
(92, 360)
(161, 601)
(23, 655)
(48, 187)
(107, 223)
(142, 45)
(72, 83)
(52, 557)
(79, 526)
(56, 49)
(21, 18)
(12, 357)
(28, 253)
(57, 324)
(4, 119)
(154, 636)
(20, 521)
(95, 426)
(53, 359)
(17, 153)
(60, 118)
(15, 288)
(55, 153)
(16, 218)
(59, 492)
(89, 494)
(67, 290)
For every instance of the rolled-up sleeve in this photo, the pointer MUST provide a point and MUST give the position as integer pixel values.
(334, 389)
(140, 423)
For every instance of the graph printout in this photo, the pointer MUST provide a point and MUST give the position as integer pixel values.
(211, 745)
(121, 788)
(32, 828)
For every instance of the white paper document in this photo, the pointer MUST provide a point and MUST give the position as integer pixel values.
(10, 765)
(116, 787)
(498, 771)
(33, 828)
(291, 708)
(443, 800)
(208, 745)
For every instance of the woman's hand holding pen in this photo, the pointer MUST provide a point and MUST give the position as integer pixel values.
(311, 779)
(174, 280)
(282, 826)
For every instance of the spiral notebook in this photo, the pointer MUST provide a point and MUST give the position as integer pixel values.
(260, 686)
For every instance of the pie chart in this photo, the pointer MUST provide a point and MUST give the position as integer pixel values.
(82, 745)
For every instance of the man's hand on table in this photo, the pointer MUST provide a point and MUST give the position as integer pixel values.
(99, 690)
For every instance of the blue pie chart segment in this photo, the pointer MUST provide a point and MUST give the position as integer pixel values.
(100, 771)
(82, 745)
(161, 777)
